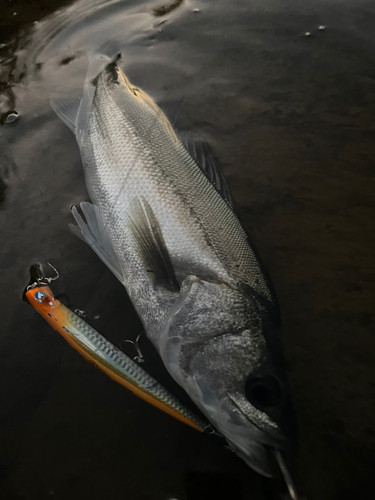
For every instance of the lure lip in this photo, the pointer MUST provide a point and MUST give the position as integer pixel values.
(36, 272)
(37, 276)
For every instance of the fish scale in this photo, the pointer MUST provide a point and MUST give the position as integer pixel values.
(185, 190)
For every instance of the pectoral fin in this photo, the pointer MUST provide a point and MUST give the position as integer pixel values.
(149, 239)
(66, 109)
(94, 233)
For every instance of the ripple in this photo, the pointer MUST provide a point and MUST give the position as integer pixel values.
(91, 26)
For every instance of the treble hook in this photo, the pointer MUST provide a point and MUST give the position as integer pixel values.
(211, 431)
(140, 358)
(56, 271)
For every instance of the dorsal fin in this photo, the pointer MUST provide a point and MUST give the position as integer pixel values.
(151, 245)
(204, 156)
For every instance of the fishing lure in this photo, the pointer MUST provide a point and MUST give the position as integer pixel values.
(113, 362)
(99, 351)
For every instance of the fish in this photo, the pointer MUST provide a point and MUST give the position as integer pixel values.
(162, 219)
(103, 354)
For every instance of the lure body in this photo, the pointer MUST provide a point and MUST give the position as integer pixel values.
(105, 356)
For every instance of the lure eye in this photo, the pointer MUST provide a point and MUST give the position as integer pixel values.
(263, 392)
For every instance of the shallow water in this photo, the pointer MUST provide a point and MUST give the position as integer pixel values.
(291, 119)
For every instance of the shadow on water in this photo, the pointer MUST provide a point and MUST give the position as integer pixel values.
(291, 117)
(3, 188)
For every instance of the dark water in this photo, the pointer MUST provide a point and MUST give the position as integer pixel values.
(291, 118)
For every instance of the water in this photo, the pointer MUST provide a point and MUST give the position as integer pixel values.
(291, 118)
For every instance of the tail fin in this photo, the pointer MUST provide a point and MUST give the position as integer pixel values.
(68, 109)
(98, 60)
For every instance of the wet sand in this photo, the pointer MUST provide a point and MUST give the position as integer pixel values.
(292, 121)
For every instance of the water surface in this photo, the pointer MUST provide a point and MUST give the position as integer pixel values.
(291, 118)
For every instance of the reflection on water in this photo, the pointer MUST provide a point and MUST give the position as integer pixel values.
(291, 119)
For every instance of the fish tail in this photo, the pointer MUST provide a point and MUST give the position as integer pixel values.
(100, 58)
(97, 63)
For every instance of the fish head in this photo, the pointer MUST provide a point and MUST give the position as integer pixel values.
(221, 348)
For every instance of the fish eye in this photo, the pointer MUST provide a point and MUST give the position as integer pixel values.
(263, 392)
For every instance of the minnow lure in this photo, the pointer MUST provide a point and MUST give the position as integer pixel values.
(99, 351)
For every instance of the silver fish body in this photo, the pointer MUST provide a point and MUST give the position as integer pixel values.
(185, 261)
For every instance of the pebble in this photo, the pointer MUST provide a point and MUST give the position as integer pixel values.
(12, 117)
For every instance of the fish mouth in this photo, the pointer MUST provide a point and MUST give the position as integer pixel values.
(256, 453)
(271, 463)
(254, 445)
(261, 459)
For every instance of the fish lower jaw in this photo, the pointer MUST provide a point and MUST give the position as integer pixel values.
(266, 469)
(255, 454)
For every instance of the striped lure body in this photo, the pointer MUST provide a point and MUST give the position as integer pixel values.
(108, 358)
